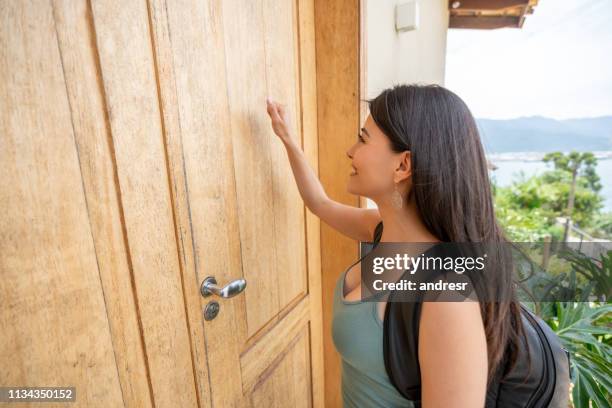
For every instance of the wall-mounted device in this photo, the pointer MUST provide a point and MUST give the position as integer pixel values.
(407, 16)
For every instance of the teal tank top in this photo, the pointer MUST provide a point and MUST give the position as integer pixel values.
(357, 333)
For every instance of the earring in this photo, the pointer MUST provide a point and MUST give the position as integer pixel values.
(396, 198)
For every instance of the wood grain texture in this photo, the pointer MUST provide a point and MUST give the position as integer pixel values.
(282, 73)
(55, 330)
(337, 32)
(123, 40)
(235, 200)
(193, 89)
(138, 159)
(263, 355)
(308, 113)
(287, 385)
(256, 181)
(74, 25)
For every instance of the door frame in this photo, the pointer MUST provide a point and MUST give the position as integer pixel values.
(341, 85)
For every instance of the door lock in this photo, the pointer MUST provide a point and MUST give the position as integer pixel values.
(212, 310)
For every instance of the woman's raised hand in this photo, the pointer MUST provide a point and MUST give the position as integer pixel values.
(280, 120)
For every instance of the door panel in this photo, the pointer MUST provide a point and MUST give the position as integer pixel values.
(55, 327)
(240, 203)
(138, 159)
(74, 26)
(270, 209)
(128, 70)
(193, 94)
(286, 385)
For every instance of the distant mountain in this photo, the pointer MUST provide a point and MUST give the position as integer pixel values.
(540, 134)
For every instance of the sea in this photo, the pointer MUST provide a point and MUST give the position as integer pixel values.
(509, 165)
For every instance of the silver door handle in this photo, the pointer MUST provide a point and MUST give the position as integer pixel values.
(209, 287)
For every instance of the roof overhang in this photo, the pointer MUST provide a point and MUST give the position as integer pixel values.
(489, 14)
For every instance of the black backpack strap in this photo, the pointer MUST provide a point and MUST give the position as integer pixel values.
(400, 342)
(378, 233)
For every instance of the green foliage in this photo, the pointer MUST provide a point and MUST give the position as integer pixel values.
(527, 210)
(600, 225)
(598, 272)
(522, 211)
(587, 202)
(584, 327)
(583, 163)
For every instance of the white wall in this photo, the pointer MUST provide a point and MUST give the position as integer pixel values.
(417, 56)
(405, 57)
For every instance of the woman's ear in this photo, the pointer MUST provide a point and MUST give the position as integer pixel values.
(405, 166)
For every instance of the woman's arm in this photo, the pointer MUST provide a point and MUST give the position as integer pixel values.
(452, 355)
(356, 223)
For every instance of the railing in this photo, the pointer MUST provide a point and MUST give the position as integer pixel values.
(577, 237)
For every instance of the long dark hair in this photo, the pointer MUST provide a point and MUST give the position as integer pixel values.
(452, 191)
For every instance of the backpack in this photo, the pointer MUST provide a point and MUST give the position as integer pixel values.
(539, 378)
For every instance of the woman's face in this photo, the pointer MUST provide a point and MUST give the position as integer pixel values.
(375, 166)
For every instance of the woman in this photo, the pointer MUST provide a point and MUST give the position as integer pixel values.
(420, 159)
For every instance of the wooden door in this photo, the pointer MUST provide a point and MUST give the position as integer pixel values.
(136, 160)
(239, 213)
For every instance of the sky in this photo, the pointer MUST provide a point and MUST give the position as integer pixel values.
(558, 65)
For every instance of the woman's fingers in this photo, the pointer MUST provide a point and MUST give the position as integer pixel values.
(276, 112)
(276, 109)
(273, 110)
(278, 116)
(282, 112)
